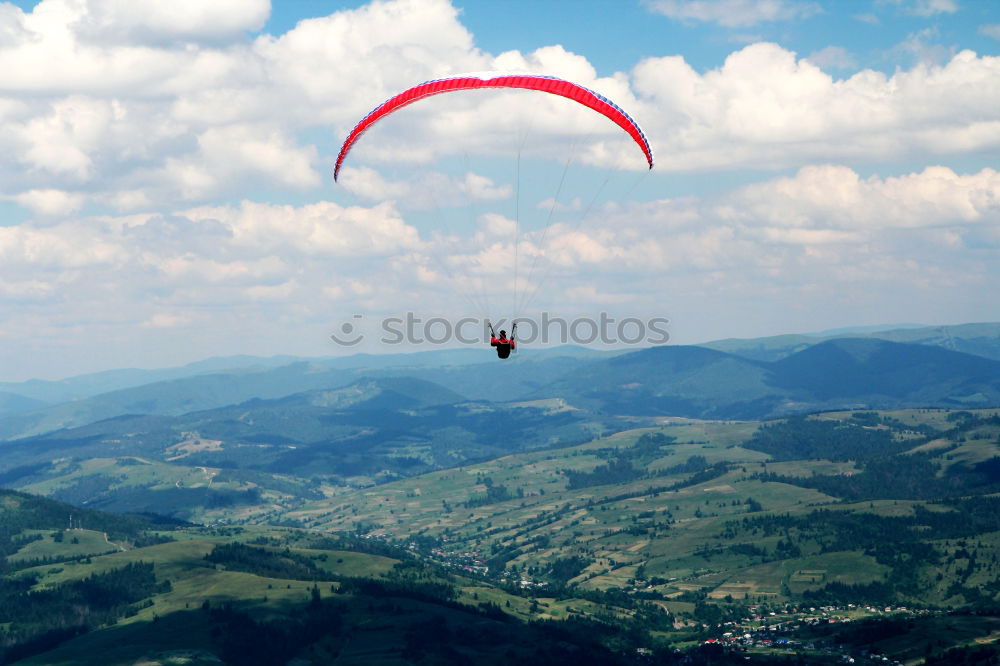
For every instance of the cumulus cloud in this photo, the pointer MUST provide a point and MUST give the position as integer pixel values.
(836, 198)
(241, 153)
(50, 202)
(375, 50)
(766, 108)
(246, 246)
(423, 190)
(825, 232)
(827, 229)
(209, 277)
(50, 250)
(106, 96)
(734, 13)
(322, 229)
(136, 123)
(185, 20)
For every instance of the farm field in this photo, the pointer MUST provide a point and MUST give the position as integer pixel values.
(682, 531)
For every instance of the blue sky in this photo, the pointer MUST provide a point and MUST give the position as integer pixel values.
(870, 31)
(166, 190)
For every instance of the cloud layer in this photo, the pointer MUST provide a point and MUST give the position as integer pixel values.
(142, 153)
(825, 229)
(115, 105)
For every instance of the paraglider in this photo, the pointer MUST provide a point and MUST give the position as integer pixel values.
(503, 344)
(491, 80)
(545, 84)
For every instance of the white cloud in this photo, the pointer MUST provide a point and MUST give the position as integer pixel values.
(167, 320)
(26, 291)
(574, 205)
(262, 249)
(837, 198)
(824, 228)
(483, 188)
(274, 293)
(375, 50)
(112, 96)
(990, 30)
(586, 294)
(62, 141)
(53, 249)
(423, 190)
(50, 202)
(183, 20)
(766, 109)
(923, 48)
(927, 8)
(319, 229)
(160, 122)
(370, 184)
(832, 57)
(824, 233)
(225, 154)
(497, 225)
(734, 13)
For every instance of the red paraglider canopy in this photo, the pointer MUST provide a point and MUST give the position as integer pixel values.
(547, 84)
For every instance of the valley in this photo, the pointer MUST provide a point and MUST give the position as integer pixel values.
(331, 525)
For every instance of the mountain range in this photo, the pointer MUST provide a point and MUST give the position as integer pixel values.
(979, 339)
(843, 373)
(275, 435)
(760, 378)
(842, 488)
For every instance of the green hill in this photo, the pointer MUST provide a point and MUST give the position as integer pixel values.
(263, 456)
(275, 596)
(723, 509)
(650, 539)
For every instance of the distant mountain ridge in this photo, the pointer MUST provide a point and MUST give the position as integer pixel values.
(483, 380)
(842, 373)
(979, 339)
(373, 429)
(79, 387)
(719, 386)
(83, 386)
(13, 403)
(173, 397)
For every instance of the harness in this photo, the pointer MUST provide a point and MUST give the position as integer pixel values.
(513, 331)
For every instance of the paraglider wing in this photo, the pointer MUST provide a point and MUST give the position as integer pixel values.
(547, 84)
